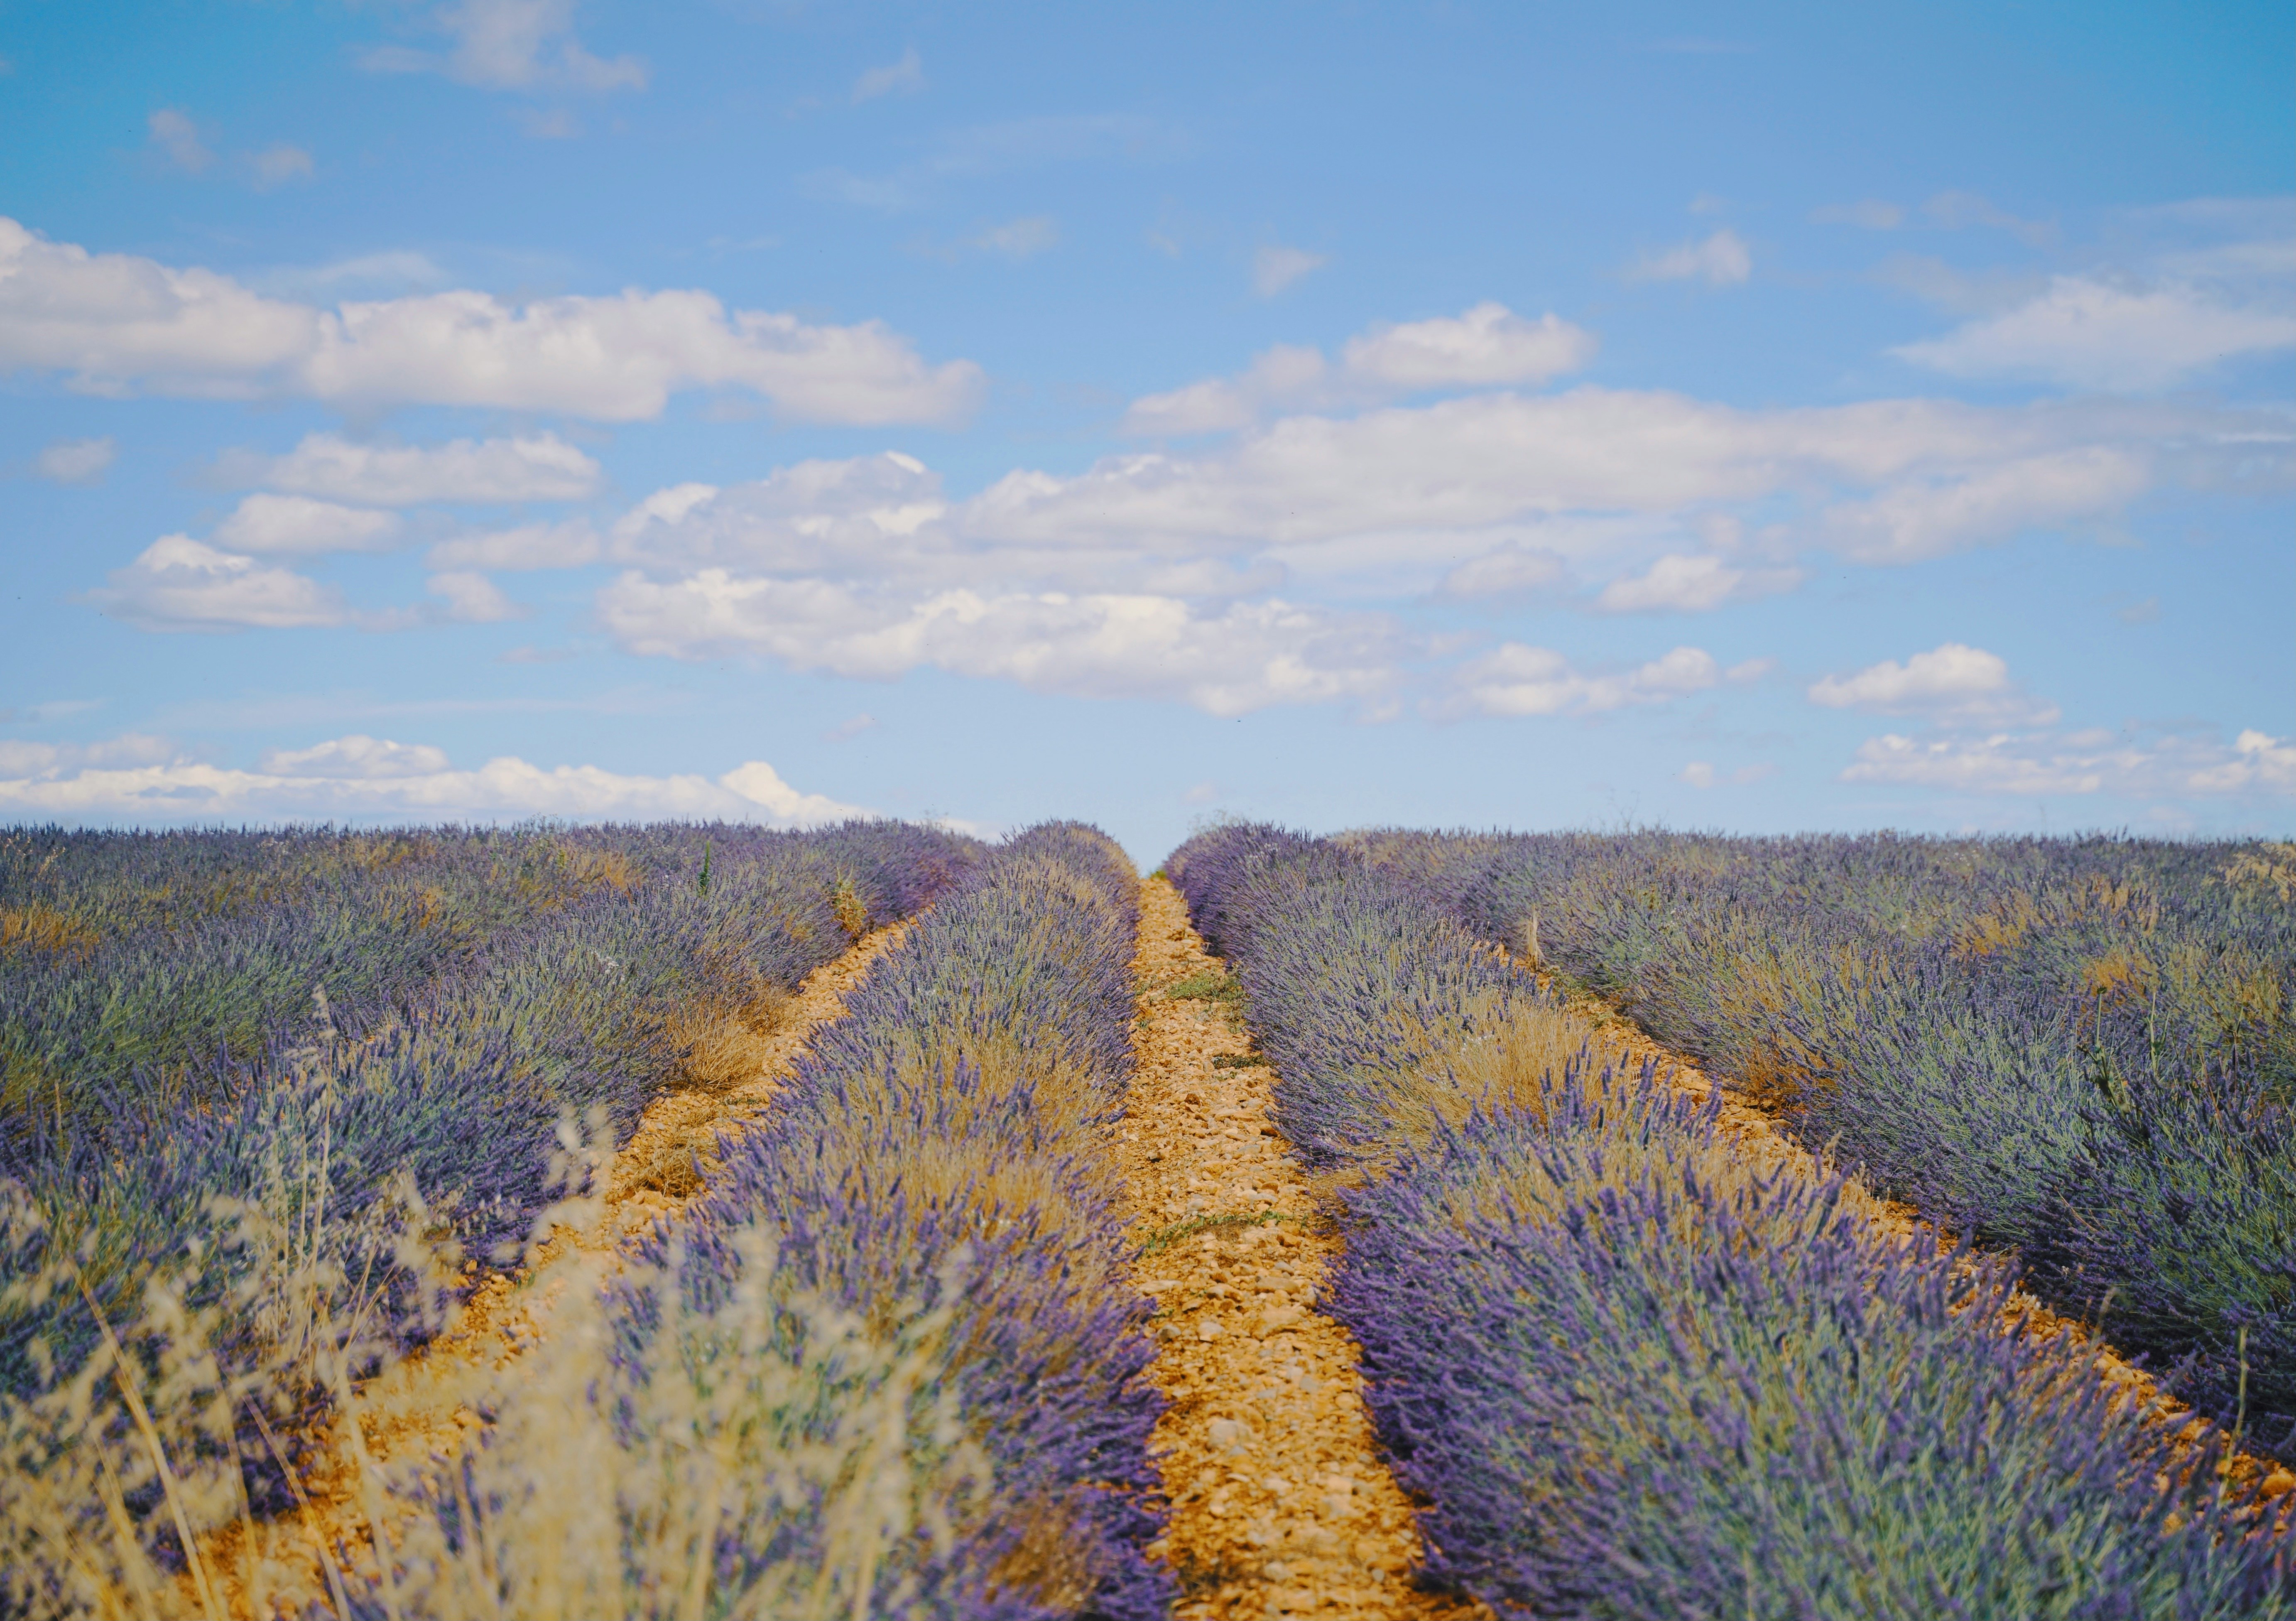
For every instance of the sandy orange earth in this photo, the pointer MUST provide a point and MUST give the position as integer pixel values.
(1280, 1502)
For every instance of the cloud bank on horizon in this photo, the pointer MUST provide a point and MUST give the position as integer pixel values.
(1817, 512)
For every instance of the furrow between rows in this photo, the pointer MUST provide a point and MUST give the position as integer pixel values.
(1280, 1502)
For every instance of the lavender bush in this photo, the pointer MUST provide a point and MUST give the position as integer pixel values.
(939, 1150)
(241, 1034)
(2082, 1050)
(1634, 1373)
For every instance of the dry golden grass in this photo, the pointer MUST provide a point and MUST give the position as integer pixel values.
(40, 927)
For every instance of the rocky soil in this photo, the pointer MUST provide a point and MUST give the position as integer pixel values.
(1281, 1504)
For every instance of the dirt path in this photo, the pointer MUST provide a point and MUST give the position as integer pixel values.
(415, 1411)
(1281, 1503)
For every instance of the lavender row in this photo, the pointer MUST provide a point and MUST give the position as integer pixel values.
(2083, 1051)
(1628, 1372)
(941, 1151)
(548, 974)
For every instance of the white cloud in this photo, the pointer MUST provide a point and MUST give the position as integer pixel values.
(1677, 584)
(2258, 760)
(1721, 260)
(906, 76)
(531, 467)
(1509, 569)
(20, 760)
(2087, 334)
(1099, 645)
(1953, 683)
(179, 584)
(1918, 518)
(1497, 458)
(146, 781)
(532, 545)
(473, 599)
(511, 45)
(299, 525)
(1196, 576)
(1286, 374)
(2081, 762)
(177, 137)
(1516, 680)
(356, 755)
(277, 165)
(1274, 268)
(114, 323)
(78, 461)
(1488, 346)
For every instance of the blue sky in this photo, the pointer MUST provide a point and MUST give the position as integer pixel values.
(1773, 418)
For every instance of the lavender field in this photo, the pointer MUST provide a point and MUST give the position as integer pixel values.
(326, 1288)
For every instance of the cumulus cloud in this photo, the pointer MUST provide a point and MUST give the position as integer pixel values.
(1496, 458)
(2087, 334)
(1515, 679)
(2080, 762)
(356, 755)
(865, 569)
(1677, 584)
(1509, 569)
(471, 598)
(1101, 645)
(78, 461)
(511, 45)
(529, 467)
(179, 584)
(868, 566)
(115, 323)
(906, 76)
(1274, 268)
(1720, 260)
(146, 780)
(1488, 346)
(296, 524)
(2258, 760)
(1921, 518)
(1954, 684)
